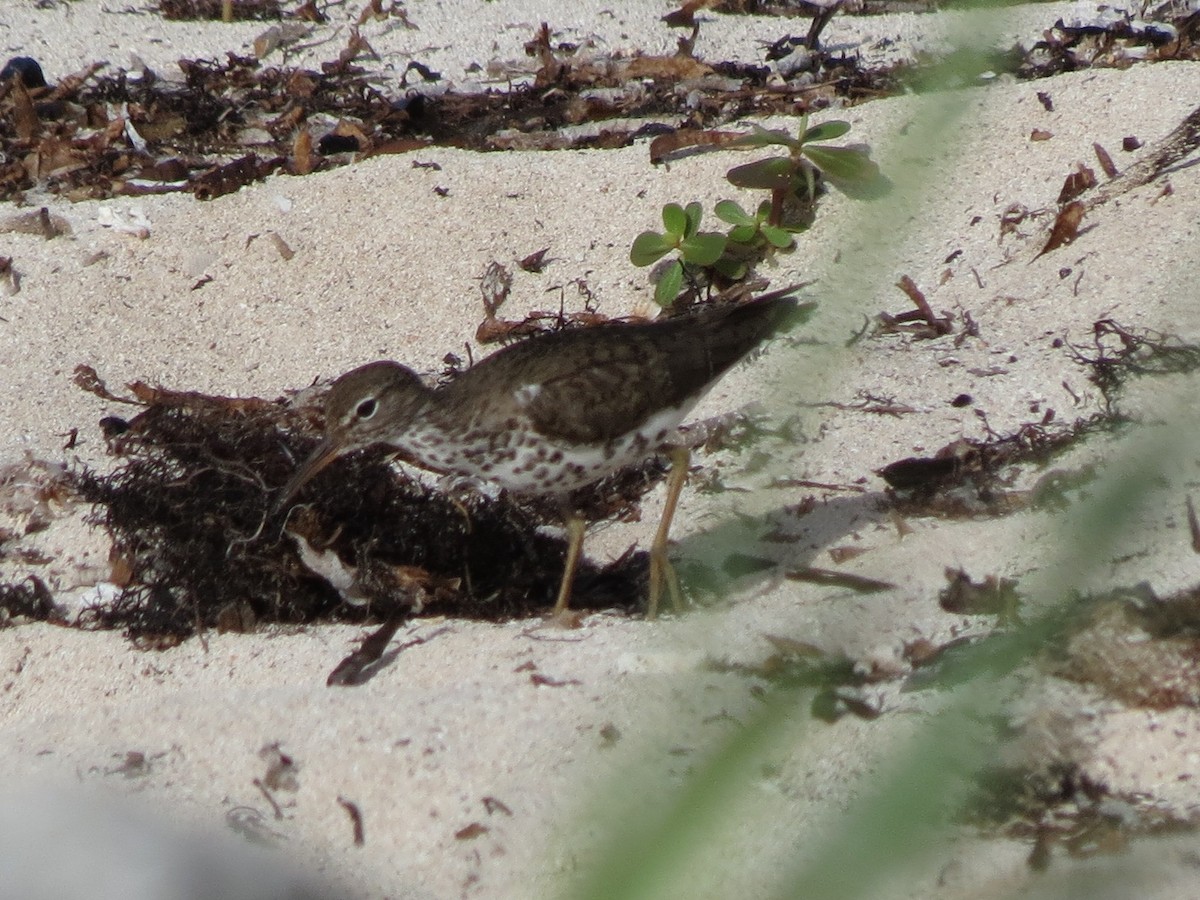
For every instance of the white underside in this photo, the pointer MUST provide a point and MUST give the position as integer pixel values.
(529, 470)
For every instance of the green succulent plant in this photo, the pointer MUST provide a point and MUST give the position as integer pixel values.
(753, 229)
(753, 237)
(850, 169)
(681, 234)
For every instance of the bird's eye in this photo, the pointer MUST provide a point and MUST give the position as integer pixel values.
(367, 408)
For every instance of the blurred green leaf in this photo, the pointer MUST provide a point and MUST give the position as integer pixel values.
(693, 212)
(762, 137)
(743, 234)
(728, 211)
(733, 269)
(668, 286)
(703, 249)
(846, 163)
(777, 173)
(778, 237)
(649, 247)
(826, 131)
(674, 219)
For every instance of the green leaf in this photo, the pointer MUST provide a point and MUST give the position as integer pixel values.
(826, 131)
(733, 269)
(779, 237)
(674, 219)
(743, 234)
(693, 212)
(729, 211)
(845, 163)
(763, 213)
(649, 247)
(762, 137)
(703, 249)
(777, 173)
(668, 286)
(810, 182)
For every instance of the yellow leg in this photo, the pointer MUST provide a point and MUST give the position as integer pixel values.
(660, 567)
(575, 529)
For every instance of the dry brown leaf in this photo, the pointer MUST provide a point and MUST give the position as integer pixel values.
(25, 117)
(1105, 160)
(535, 262)
(1066, 227)
(678, 68)
(302, 152)
(1076, 183)
(282, 246)
(685, 16)
(666, 144)
(859, 583)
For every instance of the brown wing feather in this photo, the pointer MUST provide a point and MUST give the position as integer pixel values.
(618, 386)
(589, 384)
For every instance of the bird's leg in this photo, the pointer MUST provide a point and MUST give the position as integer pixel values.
(660, 567)
(575, 530)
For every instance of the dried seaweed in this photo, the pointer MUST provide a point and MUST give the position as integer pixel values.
(1135, 647)
(1119, 43)
(1119, 353)
(28, 599)
(1052, 804)
(840, 687)
(991, 596)
(96, 135)
(970, 477)
(189, 512)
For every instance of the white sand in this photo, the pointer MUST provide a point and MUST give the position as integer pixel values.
(384, 267)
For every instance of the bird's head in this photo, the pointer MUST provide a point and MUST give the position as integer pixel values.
(373, 404)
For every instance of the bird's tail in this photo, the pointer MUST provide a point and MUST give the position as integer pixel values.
(739, 328)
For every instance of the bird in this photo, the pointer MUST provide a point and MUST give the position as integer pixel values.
(555, 412)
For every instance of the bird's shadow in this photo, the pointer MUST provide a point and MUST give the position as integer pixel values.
(740, 550)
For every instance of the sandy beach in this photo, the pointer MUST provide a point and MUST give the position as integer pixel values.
(497, 760)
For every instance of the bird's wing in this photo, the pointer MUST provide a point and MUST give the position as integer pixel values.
(598, 393)
(587, 385)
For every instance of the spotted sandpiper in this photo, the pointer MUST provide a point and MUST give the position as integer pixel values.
(555, 412)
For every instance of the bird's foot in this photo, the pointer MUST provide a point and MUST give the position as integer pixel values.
(662, 572)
